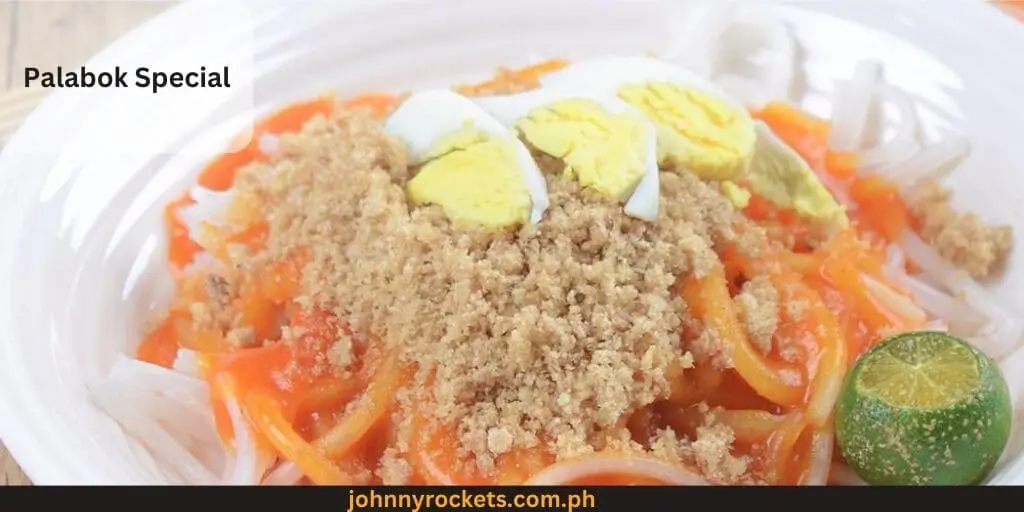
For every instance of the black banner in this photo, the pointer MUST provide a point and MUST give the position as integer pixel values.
(485, 499)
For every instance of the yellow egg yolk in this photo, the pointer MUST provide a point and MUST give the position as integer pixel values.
(603, 151)
(781, 176)
(737, 195)
(475, 178)
(696, 131)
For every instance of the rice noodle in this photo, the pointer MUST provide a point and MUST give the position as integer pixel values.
(839, 191)
(948, 312)
(851, 106)
(158, 380)
(565, 472)
(208, 210)
(187, 421)
(749, 52)
(1000, 337)
(895, 261)
(821, 457)
(167, 414)
(695, 28)
(286, 473)
(936, 325)
(755, 57)
(195, 434)
(904, 143)
(215, 201)
(840, 474)
(933, 263)
(245, 470)
(893, 300)
(959, 317)
(1003, 331)
(824, 401)
(157, 473)
(931, 163)
(137, 423)
(186, 362)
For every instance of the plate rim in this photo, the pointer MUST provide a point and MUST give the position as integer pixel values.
(22, 437)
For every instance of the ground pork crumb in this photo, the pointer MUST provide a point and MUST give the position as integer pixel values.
(219, 289)
(706, 346)
(218, 310)
(558, 331)
(712, 449)
(795, 309)
(758, 304)
(242, 337)
(340, 354)
(962, 238)
(202, 316)
(289, 333)
(394, 470)
(667, 446)
(499, 440)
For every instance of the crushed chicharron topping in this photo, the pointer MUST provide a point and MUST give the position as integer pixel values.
(550, 335)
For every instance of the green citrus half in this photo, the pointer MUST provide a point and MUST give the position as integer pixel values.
(923, 408)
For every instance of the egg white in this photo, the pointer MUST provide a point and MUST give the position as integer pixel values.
(644, 200)
(510, 108)
(426, 116)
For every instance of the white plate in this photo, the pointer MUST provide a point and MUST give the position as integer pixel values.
(83, 182)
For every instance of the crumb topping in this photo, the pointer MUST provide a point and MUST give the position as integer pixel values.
(758, 304)
(219, 289)
(566, 336)
(202, 316)
(341, 352)
(962, 238)
(549, 335)
(795, 309)
(707, 346)
(710, 450)
(242, 337)
(394, 469)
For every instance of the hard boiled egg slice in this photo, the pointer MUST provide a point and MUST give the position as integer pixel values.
(474, 167)
(604, 144)
(700, 127)
(779, 174)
